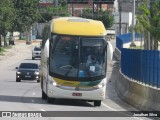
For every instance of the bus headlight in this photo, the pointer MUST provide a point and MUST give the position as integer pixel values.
(99, 86)
(52, 82)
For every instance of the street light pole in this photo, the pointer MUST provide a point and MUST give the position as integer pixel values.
(120, 11)
(133, 22)
(72, 11)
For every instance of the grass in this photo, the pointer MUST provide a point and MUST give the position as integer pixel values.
(137, 47)
(2, 50)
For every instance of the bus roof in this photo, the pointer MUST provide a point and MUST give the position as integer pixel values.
(77, 26)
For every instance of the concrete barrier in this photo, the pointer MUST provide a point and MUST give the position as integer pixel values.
(116, 55)
(139, 95)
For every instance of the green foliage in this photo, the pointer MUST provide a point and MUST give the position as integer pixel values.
(47, 13)
(26, 14)
(87, 13)
(2, 50)
(6, 15)
(155, 20)
(148, 19)
(105, 16)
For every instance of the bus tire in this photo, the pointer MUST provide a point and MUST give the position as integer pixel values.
(97, 103)
(50, 100)
(44, 96)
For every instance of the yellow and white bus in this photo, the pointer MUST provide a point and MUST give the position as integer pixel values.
(74, 60)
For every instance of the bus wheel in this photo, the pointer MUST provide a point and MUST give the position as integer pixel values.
(97, 103)
(50, 100)
(44, 96)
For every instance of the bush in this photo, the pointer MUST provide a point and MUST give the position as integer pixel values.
(1, 50)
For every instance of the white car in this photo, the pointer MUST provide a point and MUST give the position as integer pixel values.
(36, 53)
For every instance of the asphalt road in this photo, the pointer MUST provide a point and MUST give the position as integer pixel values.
(26, 95)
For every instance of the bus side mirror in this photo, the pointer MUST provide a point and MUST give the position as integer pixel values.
(110, 49)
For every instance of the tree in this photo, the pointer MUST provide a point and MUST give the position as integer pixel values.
(105, 16)
(7, 15)
(27, 14)
(50, 11)
(155, 24)
(149, 20)
(87, 13)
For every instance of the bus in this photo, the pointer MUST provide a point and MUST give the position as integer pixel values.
(74, 60)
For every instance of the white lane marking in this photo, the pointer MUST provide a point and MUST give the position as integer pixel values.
(33, 93)
(42, 110)
(138, 118)
(116, 110)
(108, 107)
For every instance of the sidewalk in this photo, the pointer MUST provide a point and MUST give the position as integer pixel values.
(19, 44)
(20, 51)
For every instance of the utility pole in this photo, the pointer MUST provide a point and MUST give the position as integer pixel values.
(148, 33)
(133, 22)
(120, 20)
(92, 9)
(72, 11)
(55, 3)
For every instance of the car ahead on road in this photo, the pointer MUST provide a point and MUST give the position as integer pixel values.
(27, 71)
(36, 53)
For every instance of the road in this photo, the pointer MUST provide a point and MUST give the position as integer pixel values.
(26, 95)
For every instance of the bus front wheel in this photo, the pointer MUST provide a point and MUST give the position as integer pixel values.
(44, 96)
(97, 103)
(50, 100)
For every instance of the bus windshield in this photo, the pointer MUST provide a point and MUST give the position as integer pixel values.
(77, 57)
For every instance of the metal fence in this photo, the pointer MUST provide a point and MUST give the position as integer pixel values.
(141, 65)
(125, 38)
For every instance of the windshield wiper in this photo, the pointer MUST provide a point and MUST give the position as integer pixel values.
(66, 74)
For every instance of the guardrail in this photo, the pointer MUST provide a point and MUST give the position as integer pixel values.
(125, 38)
(141, 65)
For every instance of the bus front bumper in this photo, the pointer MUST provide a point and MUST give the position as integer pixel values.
(57, 92)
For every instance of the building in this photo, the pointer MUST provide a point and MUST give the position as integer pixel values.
(123, 15)
(77, 7)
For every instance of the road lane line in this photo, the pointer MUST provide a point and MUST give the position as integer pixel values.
(42, 110)
(109, 107)
(116, 110)
(33, 93)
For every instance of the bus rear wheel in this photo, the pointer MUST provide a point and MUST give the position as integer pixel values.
(97, 103)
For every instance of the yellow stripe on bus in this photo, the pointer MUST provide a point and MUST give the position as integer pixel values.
(66, 83)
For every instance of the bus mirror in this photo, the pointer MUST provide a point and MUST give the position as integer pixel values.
(110, 48)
